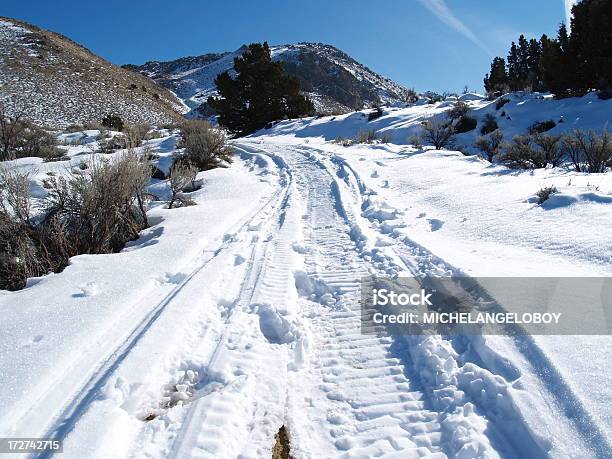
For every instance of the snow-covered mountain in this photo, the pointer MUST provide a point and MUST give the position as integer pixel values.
(334, 81)
(57, 82)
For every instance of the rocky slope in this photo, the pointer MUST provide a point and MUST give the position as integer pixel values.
(57, 82)
(333, 80)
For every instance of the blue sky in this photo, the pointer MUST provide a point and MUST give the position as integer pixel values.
(425, 44)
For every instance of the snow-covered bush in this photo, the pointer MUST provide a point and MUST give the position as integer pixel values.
(205, 146)
(490, 144)
(544, 193)
(439, 133)
(589, 152)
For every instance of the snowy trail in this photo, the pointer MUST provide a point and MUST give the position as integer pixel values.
(265, 331)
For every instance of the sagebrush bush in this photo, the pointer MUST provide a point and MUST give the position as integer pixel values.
(490, 144)
(376, 113)
(182, 177)
(544, 193)
(489, 124)
(533, 152)
(21, 138)
(500, 102)
(113, 122)
(135, 134)
(465, 124)
(205, 146)
(368, 136)
(588, 152)
(440, 133)
(459, 110)
(541, 126)
(102, 207)
(91, 210)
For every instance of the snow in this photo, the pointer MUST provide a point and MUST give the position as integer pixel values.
(228, 319)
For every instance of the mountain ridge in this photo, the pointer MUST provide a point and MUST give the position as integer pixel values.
(330, 77)
(55, 82)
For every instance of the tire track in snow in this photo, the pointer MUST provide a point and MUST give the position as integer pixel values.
(240, 420)
(497, 372)
(365, 401)
(78, 404)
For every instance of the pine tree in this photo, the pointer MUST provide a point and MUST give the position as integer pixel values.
(523, 63)
(496, 82)
(260, 93)
(591, 43)
(514, 72)
(534, 68)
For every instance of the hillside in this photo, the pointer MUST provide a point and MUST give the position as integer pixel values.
(334, 81)
(57, 82)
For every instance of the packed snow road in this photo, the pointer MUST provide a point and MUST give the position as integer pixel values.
(262, 329)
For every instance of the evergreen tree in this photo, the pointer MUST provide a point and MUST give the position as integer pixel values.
(260, 93)
(523, 63)
(496, 82)
(590, 43)
(514, 72)
(534, 68)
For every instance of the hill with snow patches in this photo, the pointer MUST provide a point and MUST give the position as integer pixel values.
(332, 79)
(57, 82)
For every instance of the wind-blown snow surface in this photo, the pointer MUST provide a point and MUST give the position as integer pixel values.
(230, 318)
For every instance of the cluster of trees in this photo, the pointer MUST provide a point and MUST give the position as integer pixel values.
(565, 65)
(260, 93)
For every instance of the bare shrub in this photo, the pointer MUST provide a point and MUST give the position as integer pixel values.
(182, 177)
(21, 138)
(135, 134)
(440, 133)
(550, 146)
(205, 146)
(385, 138)
(415, 141)
(109, 145)
(368, 136)
(589, 152)
(521, 154)
(490, 144)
